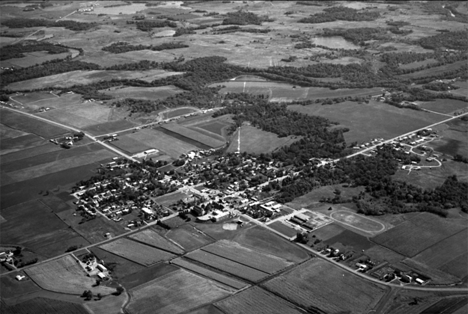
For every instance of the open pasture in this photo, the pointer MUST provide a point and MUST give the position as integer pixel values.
(121, 267)
(444, 105)
(320, 279)
(228, 266)
(452, 142)
(417, 234)
(256, 300)
(33, 58)
(216, 127)
(417, 64)
(109, 127)
(152, 238)
(178, 112)
(179, 291)
(142, 276)
(54, 102)
(44, 305)
(373, 120)
(137, 252)
(357, 221)
(149, 93)
(80, 115)
(27, 124)
(188, 237)
(379, 254)
(31, 224)
(193, 135)
(235, 252)
(256, 141)
(129, 145)
(231, 282)
(33, 97)
(65, 275)
(462, 88)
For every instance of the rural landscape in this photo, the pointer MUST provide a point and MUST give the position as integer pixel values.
(231, 157)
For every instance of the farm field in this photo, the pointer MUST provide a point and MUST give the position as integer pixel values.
(447, 305)
(231, 282)
(64, 275)
(188, 237)
(357, 221)
(438, 277)
(457, 267)
(444, 105)
(256, 300)
(152, 238)
(80, 77)
(178, 112)
(109, 127)
(12, 288)
(33, 58)
(373, 120)
(30, 125)
(463, 88)
(228, 266)
(11, 145)
(137, 252)
(142, 276)
(217, 127)
(329, 231)
(351, 240)
(7, 132)
(283, 229)
(254, 259)
(453, 142)
(194, 136)
(435, 70)
(379, 253)
(130, 145)
(177, 292)
(256, 141)
(417, 234)
(27, 153)
(149, 93)
(356, 295)
(121, 267)
(43, 305)
(32, 225)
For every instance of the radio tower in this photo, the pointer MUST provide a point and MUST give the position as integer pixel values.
(238, 141)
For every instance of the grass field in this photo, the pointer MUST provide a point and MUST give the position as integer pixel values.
(194, 136)
(228, 266)
(30, 125)
(283, 229)
(31, 224)
(80, 115)
(453, 142)
(379, 254)
(320, 279)
(149, 93)
(178, 112)
(33, 58)
(351, 240)
(64, 275)
(417, 234)
(11, 145)
(152, 238)
(142, 276)
(12, 288)
(256, 141)
(41, 149)
(188, 237)
(177, 292)
(435, 70)
(137, 252)
(216, 127)
(457, 266)
(329, 231)
(444, 105)
(240, 254)
(7, 132)
(130, 145)
(463, 88)
(169, 199)
(231, 282)
(43, 305)
(121, 267)
(373, 120)
(357, 221)
(109, 127)
(256, 300)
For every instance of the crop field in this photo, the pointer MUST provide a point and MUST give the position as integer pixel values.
(417, 234)
(12, 288)
(188, 237)
(447, 305)
(149, 93)
(435, 70)
(256, 141)
(178, 112)
(457, 266)
(30, 125)
(130, 145)
(444, 105)
(357, 221)
(161, 141)
(228, 266)
(109, 127)
(32, 225)
(7, 132)
(135, 279)
(438, 277)
(194, 136)
(112, 304)
(453, 142)
(80, 115)
(151, 237)
(379, 253)
(298, 285)
(373, 120)
(65, 275)
(43, 305)
(231, 282)
(11, 145)
(283, 229)
(463, 88)
(240, 254)
(351, 239)
(121, 267)
(80, 77)
(256, 300)
(445, 251)
(106, 59)
(216, 127)
(33, 58)
(175, 293)
(137, 252)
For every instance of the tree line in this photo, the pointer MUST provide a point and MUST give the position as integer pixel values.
(341, 14)
(122, 47)
(68, 24)
(18, 50)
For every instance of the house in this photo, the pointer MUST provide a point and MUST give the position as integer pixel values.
(20, 277)
(101, 275)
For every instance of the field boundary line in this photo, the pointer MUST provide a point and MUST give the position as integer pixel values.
(156, 247)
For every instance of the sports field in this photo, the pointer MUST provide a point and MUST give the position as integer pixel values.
(178, 292)
(357, 221)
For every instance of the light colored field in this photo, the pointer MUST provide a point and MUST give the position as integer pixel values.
(151, 237)
(240, 254)
(357, 221)
(462, 90)
(123, 9)
(7, 132)
(188, 237)
(137, 252)
(80, 115)
(177, 292)
(130, 145)
(62, 164)
(178, 112)
(320, 279)
(33, 58)
(256, 300)
(149, 93)
(80, 77)
(193, 135)
(256, 141)
(64, 275)
(227, 266)
(52, 102)
(379, 253)
(236, 284)
(105, 59)
(444, 105)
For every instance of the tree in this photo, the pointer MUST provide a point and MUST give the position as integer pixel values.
(118, 291)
